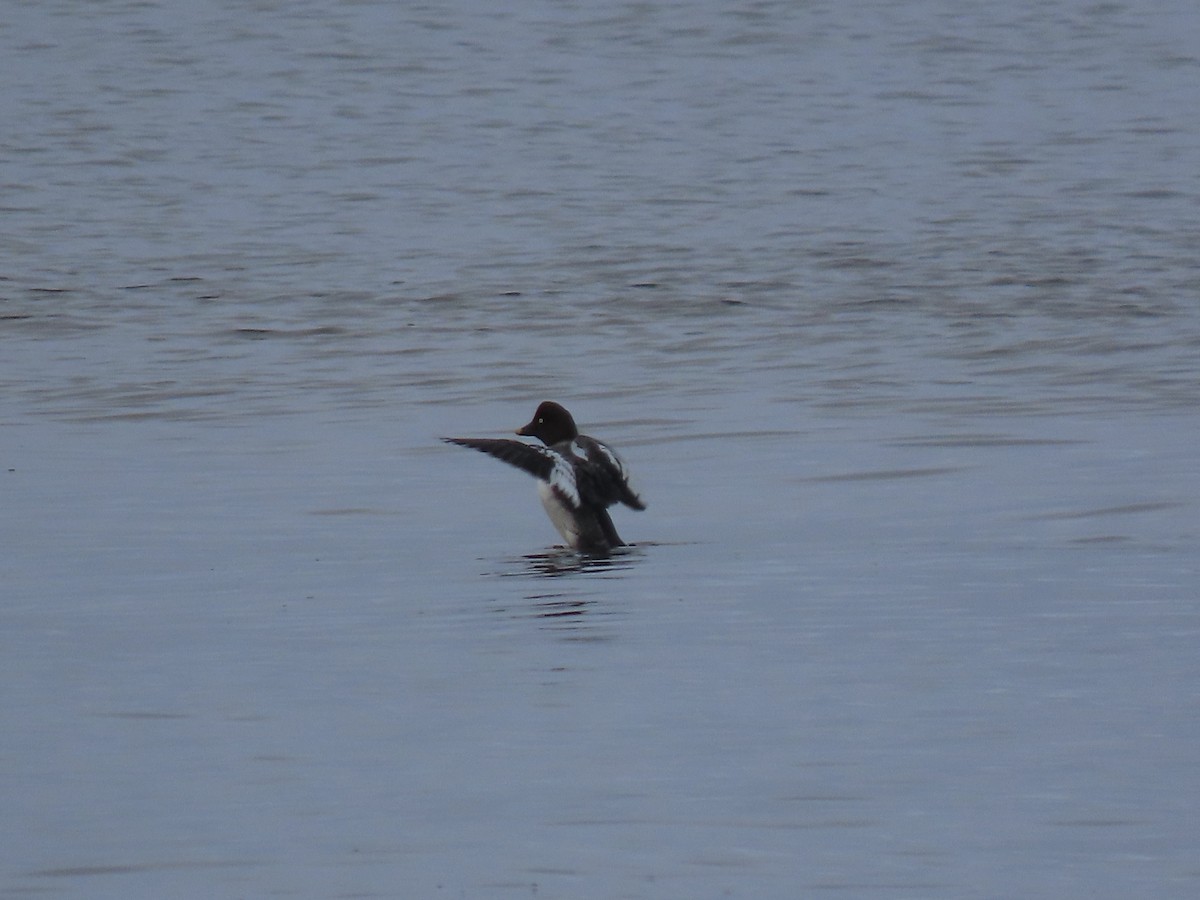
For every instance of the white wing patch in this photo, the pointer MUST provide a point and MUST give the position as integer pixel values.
(562, 478)
(613, 459)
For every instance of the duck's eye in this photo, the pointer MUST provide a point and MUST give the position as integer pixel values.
(541, 421)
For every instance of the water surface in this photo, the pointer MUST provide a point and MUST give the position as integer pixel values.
(892, 310)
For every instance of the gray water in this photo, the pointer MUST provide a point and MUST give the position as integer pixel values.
(893, 310)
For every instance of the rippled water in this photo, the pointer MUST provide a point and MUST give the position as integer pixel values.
(893, 309)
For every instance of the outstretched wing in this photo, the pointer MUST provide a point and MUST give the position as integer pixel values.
(605, 476)
(540, 462)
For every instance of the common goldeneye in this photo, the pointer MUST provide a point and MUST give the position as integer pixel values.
(578, 476)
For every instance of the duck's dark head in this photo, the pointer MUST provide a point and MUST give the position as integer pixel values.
(551, 424)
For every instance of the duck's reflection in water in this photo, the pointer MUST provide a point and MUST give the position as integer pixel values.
(581, 605)
(562, 561)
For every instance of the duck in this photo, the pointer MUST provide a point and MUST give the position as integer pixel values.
(578, 477)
